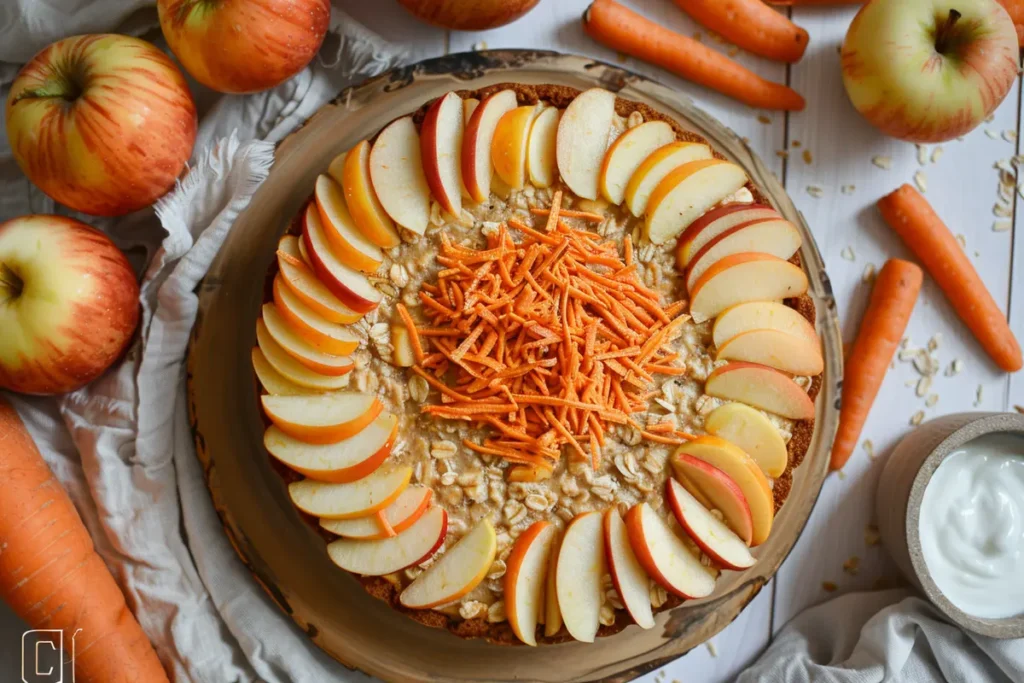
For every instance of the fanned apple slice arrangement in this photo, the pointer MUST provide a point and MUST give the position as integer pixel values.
(734, 257)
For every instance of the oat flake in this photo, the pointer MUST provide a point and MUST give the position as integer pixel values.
(815, 191)
(937, 154)
(848, 254)
(882, 162)
(917, 418)
(869, 273)
(921, 180)
(922, 154)
(848, 189)
(1002, 226)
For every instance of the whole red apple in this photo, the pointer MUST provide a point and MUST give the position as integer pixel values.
(242, 46)
(69, 304)
(468, 15)
(103, 124)
(929, 70)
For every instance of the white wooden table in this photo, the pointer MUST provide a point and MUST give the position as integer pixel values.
(962, 185)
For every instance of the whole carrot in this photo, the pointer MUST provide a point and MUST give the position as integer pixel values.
(886, 318)
(50, 573)
(816, 3)
(619, 28)
(914, 220)
(751, 25)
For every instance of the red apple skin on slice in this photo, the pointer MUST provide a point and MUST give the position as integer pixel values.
(713, 537)
(457, 572)
(352, 499)
(324, 418)
(300, 349)
(291, 369)
(297, 272)
(762, 387)
(688, 192)
(655, 167)
(664, 556)
(715, 489)
(525, 576)
(627, 153)
(760, 315)
(396, 172)
(477, 169)
(384, 556)
(272, 381)
(628, 574)
(740, 278)
(341, 462)
(401, 514)
(348, 284)
(352, 171)
(714, 223)
(767, 236)
(324, 335)
(350, 245)
(441, 135)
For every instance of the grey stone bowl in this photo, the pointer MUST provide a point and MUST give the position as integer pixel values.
(898, 504)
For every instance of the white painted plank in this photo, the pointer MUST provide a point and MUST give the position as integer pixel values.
(395, 24)
(556, 25)
(962, 187)
(1015, 388)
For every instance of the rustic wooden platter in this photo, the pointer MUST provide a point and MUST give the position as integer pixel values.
(287, 557)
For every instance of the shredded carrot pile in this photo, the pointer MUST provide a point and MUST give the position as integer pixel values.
(547, 342)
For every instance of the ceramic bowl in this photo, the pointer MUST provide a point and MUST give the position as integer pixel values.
(901, 489)
(288, 558)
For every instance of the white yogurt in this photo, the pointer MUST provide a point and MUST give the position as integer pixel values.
(972, 527)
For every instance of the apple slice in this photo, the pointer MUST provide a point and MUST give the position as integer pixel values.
(714, 223)
(712, 536)
(525, 576)
(740, 278)
(354, 499)
(751, 431)
(664, 556)
(477, 169)
(301, 350)
(582, 140)
(540, 154)
(379, 557)
(627, 153)
(457, 572)
(291, 369)
(686, 193)
(767, 236)
(715, 489)
(552, 613)
(352, 171)
(326, 336)
(441, 144)
(344, 461)
(323, 419)
(742, 469)
(469, 106)
(346, 283)
(761, 315)
(779, 350)
(396, 172)
(509, 147)
(302, 282)
(580, 570)
(273, 381)
(402, 355)
(655, 167)
(350, 245)
(400, 515)
(762, 387)
(629, 577)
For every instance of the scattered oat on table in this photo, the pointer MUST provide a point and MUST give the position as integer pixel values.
(991, 134)
(872, 536)
(882, 162)
(921, 180)
(712, 650)
(922, 154)
(848, 254)
(917, 418)
(763, 118)
(931, 400)
(852, 565)
(923, 385)
(1002, 210)
(848, 189)
(829, 587)
(869, 273)
(937, 154)
(815, 191)
(1002, 226)
(782, 154)
(482, 45)
(795, 143)
(1010, 135)
(842, 475)
(869, 448)
(962, 240)
(978, 395)
(808, 157)
(955, 367)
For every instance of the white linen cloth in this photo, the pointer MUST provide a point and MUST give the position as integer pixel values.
(123, 450)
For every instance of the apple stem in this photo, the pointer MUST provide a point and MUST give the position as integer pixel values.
(10, 282)
(942, 36)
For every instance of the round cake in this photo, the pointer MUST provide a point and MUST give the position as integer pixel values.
(537, 363)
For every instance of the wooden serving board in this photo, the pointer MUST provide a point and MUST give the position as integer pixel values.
(287, 557)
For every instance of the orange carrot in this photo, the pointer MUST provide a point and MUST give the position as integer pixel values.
(816, 3)
(1015, 8)
(751, 25)
(611, 24)
(913, 219)
(892, 301)
(50, 573)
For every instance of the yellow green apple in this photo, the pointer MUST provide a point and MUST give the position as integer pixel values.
(929, 70)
